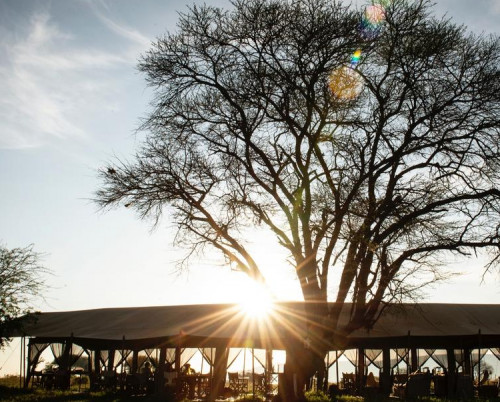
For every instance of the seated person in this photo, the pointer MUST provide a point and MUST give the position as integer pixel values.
(187, 370)
(146, 371)
(370, 380)
(169, 375)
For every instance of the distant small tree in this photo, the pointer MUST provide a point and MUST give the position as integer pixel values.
(22, 281)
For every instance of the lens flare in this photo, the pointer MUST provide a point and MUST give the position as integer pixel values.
(345, 83)
(373, 20)
(355, 58)
(375, 14)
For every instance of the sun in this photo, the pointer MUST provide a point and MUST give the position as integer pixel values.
(256, 300)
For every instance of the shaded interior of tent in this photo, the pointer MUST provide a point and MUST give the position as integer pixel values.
(117, 346)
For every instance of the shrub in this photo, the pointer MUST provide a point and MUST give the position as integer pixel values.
(317, 396)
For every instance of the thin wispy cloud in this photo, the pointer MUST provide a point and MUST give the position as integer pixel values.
(123, 30)
(46, 83)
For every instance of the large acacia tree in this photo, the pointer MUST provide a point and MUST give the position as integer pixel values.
(380, 186)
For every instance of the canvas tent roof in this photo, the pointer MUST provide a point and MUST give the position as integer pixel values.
(202, 323)
(399, 324)
(435, 325)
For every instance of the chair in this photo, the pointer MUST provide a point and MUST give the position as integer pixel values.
(204, 386)
(170, 378)
(349, 382)
(399, 382)
(132, 383)
(465, 387)
(62, 379)
(399, 379)
(236, 384)
(487, 391)
(36, 379)
(183, 387)
(108, 378)
(440, 385)
(259, 384)
(418, 386)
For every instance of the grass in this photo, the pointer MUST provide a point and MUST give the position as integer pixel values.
(10, 391)
(38, 395)
(29, 395)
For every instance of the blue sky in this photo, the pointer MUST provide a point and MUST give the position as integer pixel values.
(72, 99)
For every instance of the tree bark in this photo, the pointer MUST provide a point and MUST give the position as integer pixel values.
(220, 368)
(305, 357)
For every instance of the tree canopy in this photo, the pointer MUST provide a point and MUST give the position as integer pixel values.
(377, 180)
(22, 281)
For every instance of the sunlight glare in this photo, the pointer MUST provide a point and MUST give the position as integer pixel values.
(256, 300)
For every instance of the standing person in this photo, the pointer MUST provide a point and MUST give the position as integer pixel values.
(485, 377)
(146, 375)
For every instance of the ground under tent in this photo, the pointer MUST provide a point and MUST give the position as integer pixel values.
(117, 343)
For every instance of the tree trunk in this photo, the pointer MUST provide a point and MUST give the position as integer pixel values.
(305, 357)
(302, 364)
(220, 368)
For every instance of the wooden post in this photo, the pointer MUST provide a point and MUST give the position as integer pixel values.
(253, 373)
(21, 362)
(385, 376)
(467, 363)
(361, 369)
(97, 362)
(135, 361)
(30, 364)
(479, 357)
(269, 371)
(337, 367)
(159, 377)
(327, 370)
(122, 373)
(452, 370)
(414, 360)
(89, 361)
(111, 360)
(66, 357)
(178, 352)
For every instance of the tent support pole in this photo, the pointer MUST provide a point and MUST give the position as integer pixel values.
(159, 377)
(386, 371)
(452, 368)
(21, 362)
(361, 369)
(467, 365)
(337, 366)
